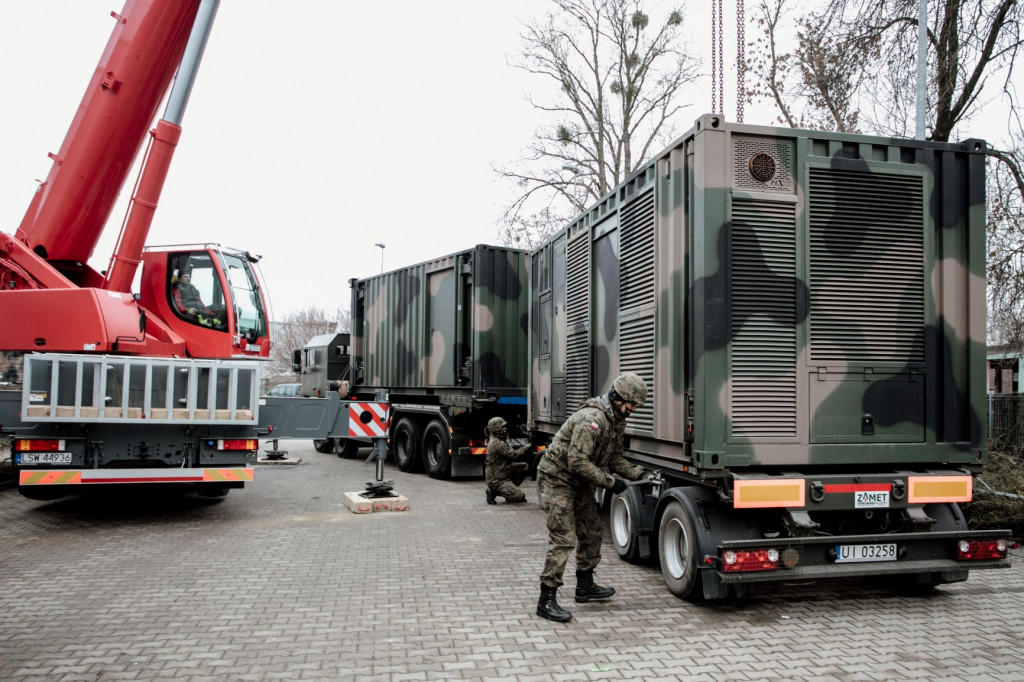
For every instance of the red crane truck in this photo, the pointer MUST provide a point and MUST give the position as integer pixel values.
(157, 385)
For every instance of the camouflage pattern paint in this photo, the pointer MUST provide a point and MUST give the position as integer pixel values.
(458, 321)
(818, 296)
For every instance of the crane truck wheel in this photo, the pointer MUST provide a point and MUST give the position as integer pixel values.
(437, 446)
(346, 448)
(324, 446)
(42, 493)
(406, 444)
(211, 490)
(677, 550)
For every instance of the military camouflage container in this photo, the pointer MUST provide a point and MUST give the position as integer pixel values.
(808, 311)
(448, 339)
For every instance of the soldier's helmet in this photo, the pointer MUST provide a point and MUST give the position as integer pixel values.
(496, 424)
(631, 388)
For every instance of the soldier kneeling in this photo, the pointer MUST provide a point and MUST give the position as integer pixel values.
(504, 473)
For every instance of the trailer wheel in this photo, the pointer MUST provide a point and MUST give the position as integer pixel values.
(624, 535)
(678, 552)
(346, 448)
(437, 444)
(324, 446)
(406, 443)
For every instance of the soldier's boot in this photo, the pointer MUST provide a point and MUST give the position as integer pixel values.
(547, 606)
(490, 496)
(587, 590)
(516, 500)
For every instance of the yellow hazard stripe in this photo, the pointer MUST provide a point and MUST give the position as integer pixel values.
(228, 474)
(49, 477)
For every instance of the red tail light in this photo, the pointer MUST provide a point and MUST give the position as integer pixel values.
(981, 550)
(38, 445)
(749, 560)
(238, 444)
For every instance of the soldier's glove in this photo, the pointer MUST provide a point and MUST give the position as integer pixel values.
(618, 486)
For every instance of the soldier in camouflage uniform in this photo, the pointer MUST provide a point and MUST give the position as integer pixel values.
(589, 442)
(504, 474)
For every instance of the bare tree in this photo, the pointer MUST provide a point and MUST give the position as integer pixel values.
(618, 74)
(1006, 250)
(294, 332)
(831, 73)
(861, 55)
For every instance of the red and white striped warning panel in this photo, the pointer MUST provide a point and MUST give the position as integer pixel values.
(368, 420)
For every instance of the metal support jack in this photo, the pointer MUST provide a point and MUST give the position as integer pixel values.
(275, 454)
(379, 487)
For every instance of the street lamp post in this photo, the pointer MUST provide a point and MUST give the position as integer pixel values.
(381, 246)
(577, 204)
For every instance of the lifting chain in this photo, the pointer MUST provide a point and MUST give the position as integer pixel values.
(717, 58)
(717, 69)
(741, 59)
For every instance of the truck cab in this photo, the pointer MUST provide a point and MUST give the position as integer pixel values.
(209, 295)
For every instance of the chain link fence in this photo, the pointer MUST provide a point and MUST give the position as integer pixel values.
(1006, 421)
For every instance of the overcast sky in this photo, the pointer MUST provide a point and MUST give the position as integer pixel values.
(315, 129)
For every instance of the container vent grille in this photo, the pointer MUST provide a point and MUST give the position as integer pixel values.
(764, 345)
(636, 242)
(749, 157)
(577, 359)
(636, 353)
(866, 266)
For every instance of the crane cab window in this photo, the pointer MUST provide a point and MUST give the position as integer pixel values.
(194, 290)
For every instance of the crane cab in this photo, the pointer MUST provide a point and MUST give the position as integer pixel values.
(210, 296)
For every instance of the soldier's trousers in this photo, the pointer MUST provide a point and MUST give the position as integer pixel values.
(509, 488)
(573, 523)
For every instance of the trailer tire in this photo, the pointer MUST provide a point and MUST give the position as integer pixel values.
(323, 446)
(406, 444)
(437, 444)
(346, 448)
(621, 519)
(677, 551)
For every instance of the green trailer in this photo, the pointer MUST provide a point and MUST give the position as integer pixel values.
(447, 340)
(808, 311)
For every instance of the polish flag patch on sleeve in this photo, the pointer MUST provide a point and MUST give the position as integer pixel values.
(594, 426)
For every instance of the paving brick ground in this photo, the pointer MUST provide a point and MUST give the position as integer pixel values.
(281, 581)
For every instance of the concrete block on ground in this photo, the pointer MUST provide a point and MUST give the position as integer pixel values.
(360, 504)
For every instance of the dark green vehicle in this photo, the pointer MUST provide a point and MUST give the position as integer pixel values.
(808, 311)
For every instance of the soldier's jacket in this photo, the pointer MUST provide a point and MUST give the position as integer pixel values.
(499, 459)
(589, 442)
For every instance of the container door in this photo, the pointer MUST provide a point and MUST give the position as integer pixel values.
(439, 362)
